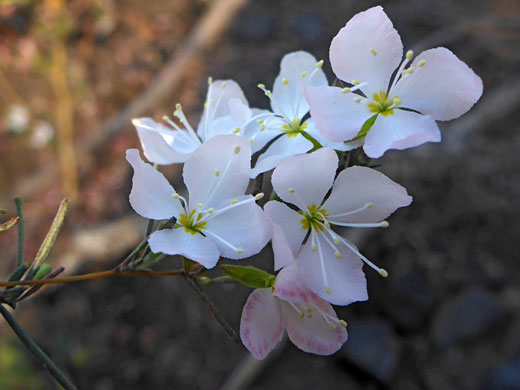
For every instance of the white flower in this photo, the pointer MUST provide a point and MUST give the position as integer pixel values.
(311, 323)
(226, 111)
(289, 108)
(218, 220)
(328, 264)
(365, 53)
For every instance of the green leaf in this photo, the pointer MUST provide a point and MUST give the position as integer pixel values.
(43, 271)
(9, 224)
(365, 128)
(187, 265)
(249, 276)
(18, 272)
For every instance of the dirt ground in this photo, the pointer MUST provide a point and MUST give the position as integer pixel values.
(447, 317)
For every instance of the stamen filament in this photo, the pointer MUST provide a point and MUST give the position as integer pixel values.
(363, 208)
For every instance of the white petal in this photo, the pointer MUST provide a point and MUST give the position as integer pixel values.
(336, 115)
(313, 333)
(305, 179)
(280, 150)
(287, 235)
(222, 125)
(151, 194)
(239, 110)
(219, 154)
(289, 95)
(289, 287)
(445, 87)
(345, 276)
(177, 241)
(314, 133)
(162, 145)
(355, 188)
(261, 325)
(220, 92)
(402, 130)
(245, 227)
(352, 50)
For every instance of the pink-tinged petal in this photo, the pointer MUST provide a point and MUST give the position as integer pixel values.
(314, 133)
(288, 95)
(261, 325)
(313, 333)
(337, 116)
(178, 241)
(245, 227)
(367, 49)
(356, 188)
(345, 276)
(279, 151)
(218, 170)
(162, 145)
(305, 179)
(220, 92)
(151, 194)
(402, 130)
(444, 87)
(287, 235)
(289, 287)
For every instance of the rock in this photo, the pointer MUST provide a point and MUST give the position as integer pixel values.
(467, 315)
(504, 377)
(373, 347)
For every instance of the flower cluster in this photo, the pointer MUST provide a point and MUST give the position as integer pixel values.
(314, 193)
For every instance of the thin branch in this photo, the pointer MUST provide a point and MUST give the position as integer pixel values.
(36, 351)
(19, 212)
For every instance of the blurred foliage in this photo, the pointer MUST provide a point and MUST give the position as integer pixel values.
(16, 370)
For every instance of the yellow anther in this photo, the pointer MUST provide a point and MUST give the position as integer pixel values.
(409, 55)
(240, 250)
(421, 63)
(250, 140)
(369, 205)
(373, 51)
(384, 224)
(178, 107)
(304, 73)
(302, 314)
(217, 172)
(206, 105)
(210, 80)
(357, 99)
(176, 196)
(136, 122)
(356, 82)
(309, 309)
(328, 290)
(292, 190)
(338, 255)
(343, 323)
(259, 196)
(223, 84)
(211, 210)
(165, 117)
(267, 93)
(314, 247)
(260, 121)
(332, 325)
(337, 241)
(234, 201)
(236, 131)
(261, 86)
(285, 81)
(237, 149)
(383, 272)
(262, 127)
(319, 64)
(309, 316)
(200, 206)
(346, 90)
(397, 101)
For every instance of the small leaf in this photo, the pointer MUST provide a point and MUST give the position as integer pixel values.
(365, 128)
(187, 265)
(43, 271)
(18, 272)
(9, 224)
(249, 276)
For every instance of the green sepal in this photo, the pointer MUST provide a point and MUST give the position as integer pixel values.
(365, 128)
(43, 271)
(18, 272)
(187, 265)
(9, 224)
(249, 276)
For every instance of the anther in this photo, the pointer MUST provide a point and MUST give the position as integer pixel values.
(211, 210)
(384, 224)
(337, 241)
(346, 90)
(261, 86)
(200, 206)
(262, 127)
(250, 140)
(304, 73)
(240, 250)
(383, 272)
(236, 131)
(234, 201)
(343, 323)
(328, 290)
(319, 64)
(267, 93)
(224, 84)
(309, 309)
(356, 82)
(210, 80)
(237, 149)
(369, 205)
(285, 81)
(260, 121)
(302, 314)
(259, 196)
(332, 325)
(176, 196)
(178, 107)
(338, 255)
(397, 101)
(421, 63)
(357, 99)
(314, 247)
(217, 172)
(409, 55)
(136, 122)
(373, 51)
(292, 190)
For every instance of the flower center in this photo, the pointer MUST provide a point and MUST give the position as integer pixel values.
(313, 218)
(381, 104)
(294, 127)
(191, 223)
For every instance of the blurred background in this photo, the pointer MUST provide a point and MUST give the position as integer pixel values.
(73, 73)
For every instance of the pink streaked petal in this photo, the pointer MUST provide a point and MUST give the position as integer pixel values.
(355, 187)
(305, 179)
(287, 235)
(337, 116)
(289, 287)
(151, 194)
(218, 153)
(403, 130)
(351, 54)
(195, 247)
(261, 325)
(444, 88)
(345, 275)
(313, 333)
